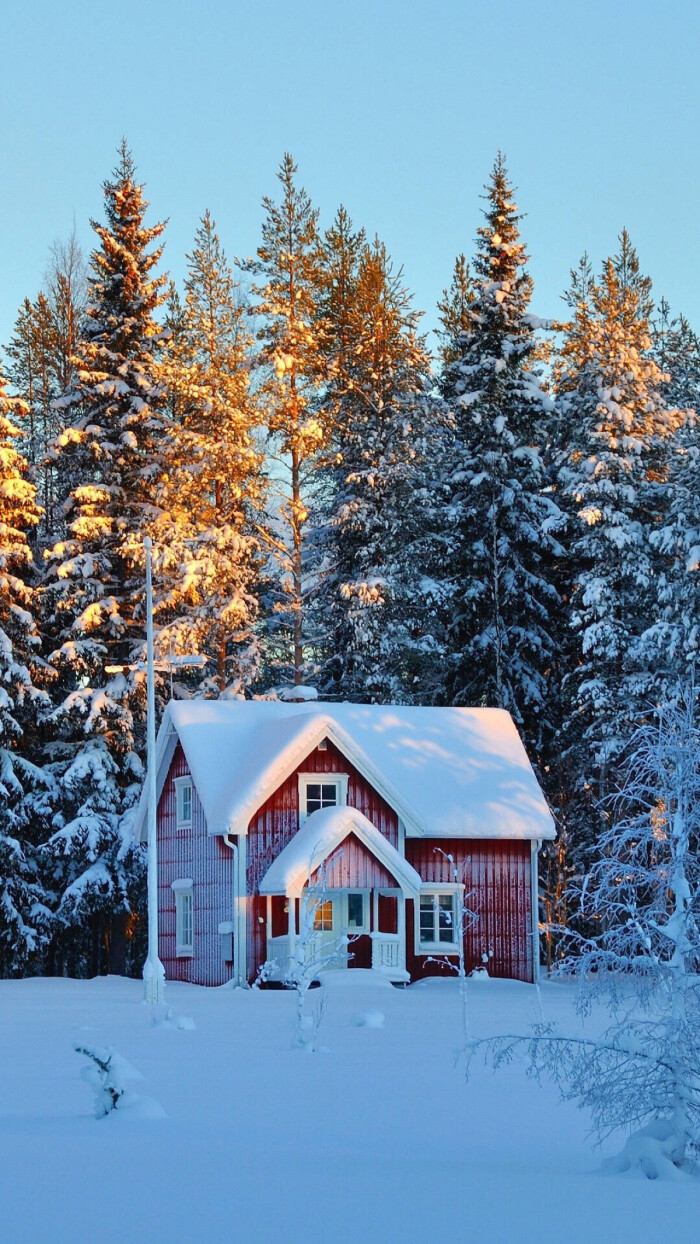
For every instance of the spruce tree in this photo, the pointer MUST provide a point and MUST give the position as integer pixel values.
(40, 369)
(211, 490)
(93, 595)
(453, 315)
(25, 907)
(293, 367)
(672, 642)
(612, 479)
(366, 601)
(499, 597)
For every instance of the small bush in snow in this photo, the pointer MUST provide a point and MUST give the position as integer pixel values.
(643, 1073)
(107, 1073)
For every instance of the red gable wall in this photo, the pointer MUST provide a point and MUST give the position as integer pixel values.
(277, 821)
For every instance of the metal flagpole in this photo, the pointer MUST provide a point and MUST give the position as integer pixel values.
(153, 970)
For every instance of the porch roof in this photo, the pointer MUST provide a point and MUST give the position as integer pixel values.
(318, 837)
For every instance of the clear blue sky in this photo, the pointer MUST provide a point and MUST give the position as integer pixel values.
(393, 107)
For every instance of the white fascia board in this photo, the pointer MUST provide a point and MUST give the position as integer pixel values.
(406, 875)
(324, 728)
(165, 750)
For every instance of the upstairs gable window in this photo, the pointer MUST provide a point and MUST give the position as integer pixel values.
(321, 795)
(321, 790)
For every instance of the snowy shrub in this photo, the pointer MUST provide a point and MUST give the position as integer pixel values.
(643, 893)
(107, 1074)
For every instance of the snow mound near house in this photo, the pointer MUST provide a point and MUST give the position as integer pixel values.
(183, 1023)
(342, 979)
(367, 1019)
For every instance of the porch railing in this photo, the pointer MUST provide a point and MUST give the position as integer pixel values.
(386, 952)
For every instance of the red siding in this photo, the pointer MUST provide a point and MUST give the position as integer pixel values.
(352, 866)
(496, 877)
(192, 853)
(277, 821)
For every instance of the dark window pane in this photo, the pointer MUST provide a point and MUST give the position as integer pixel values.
(356, 911)
(427, 924)
(446, 918)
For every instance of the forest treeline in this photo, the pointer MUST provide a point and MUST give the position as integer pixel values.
(513, 523)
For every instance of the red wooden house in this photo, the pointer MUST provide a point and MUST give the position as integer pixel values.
(386, 823)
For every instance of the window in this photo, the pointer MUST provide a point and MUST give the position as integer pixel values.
(320, 795)
(321, 790)
(438, 919)
(356, 911)
(184, 917)
(183, 794)
(323, 917)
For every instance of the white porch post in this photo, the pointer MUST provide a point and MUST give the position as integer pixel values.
(153, 970)
(535, 900)
(292, 926)
(401, 930)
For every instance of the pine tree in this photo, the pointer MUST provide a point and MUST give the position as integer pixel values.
(500, 601)
(614, 428)
(453, 313)
(93, 596)
(41, 368)
(25, 915)
(672, 640)
(211, 493)
(293, 361)
(366, 603)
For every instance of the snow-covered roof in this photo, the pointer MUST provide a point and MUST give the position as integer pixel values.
(447, 772)
(318, 837)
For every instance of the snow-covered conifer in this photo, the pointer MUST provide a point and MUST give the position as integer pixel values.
(452, 309)
(107, 459)
(25, 916)
(366, 602)
(614, 425)
(211, 490)
(40, 367)
(293, 362)
(501, 521)
(672, 640)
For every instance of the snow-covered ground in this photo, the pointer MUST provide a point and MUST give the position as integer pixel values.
(376, 1136)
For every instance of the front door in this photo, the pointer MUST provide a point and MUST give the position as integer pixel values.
(340, 932)
(326, 947)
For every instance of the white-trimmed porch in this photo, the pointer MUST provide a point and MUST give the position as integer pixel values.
(324, 922)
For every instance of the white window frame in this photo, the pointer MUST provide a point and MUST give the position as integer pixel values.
(339, 780)
(442, 948)
(365, 910)
(181, 785)
(183, 889)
